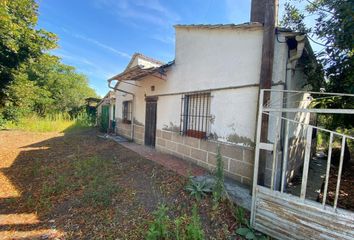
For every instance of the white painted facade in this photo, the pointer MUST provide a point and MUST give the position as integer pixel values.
(224, 61)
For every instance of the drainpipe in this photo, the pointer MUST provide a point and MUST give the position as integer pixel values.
(133, 105)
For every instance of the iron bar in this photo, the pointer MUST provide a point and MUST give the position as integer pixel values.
(328, 169)
(285, 156)
(256, 156)
(275, 145)
(305, 170)
(339, 172)
(318, 128)
(313, 110)
(318, 93)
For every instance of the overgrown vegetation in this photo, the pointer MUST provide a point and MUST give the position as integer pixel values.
(34, 82)
(50, 123)
(198, 189)
(182, 228)
(219, 189)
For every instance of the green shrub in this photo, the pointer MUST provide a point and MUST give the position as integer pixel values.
(158, 229)
(194, 229)
(198, 189)
(99, 191)
(240, 215)
(218, 190)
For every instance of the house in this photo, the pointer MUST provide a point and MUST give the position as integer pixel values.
(208, 95)
(105, 111)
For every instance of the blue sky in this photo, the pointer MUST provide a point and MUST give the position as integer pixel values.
(99, 36)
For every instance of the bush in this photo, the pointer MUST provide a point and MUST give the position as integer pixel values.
(158, 229)
(218, 190)
(182, 227)
(194, 228)
(198, 189)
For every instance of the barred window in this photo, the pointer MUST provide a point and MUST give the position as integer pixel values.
(195, 115)
(127, 112)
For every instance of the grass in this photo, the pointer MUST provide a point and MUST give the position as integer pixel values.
(53, 123)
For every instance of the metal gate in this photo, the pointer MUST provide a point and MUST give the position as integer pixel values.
(278, 211)
(105, 118)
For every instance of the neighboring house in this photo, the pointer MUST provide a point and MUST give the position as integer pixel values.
(106, 112)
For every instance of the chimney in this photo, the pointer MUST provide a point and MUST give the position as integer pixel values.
(261, 9)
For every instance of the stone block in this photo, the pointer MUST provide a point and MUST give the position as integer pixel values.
(139, 129)
(184, 150)
(248, 156)
(160, 142)
(167, 135)
(192, 142)
(231, 151)
(208, 146)
(139, 136)
(241, 168)
(171, 145)
(158, 133)
(212, 160)
(247, 181)
(199, 154)
(234, 176)
(176, 137)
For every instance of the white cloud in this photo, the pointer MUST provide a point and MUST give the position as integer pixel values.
(143, 11)
(97, 43)
(84, 65)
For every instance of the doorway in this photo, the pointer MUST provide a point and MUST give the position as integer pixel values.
(150, 121)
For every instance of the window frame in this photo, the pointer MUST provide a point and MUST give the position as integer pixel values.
(195, 115)
(127, 111)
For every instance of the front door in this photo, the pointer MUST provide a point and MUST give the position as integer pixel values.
(150, 121)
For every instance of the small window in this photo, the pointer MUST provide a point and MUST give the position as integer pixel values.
(195, 115)
(127, 112)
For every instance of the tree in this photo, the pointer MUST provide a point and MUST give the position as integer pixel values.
(334, 30)
(20, 41)
(33, 81)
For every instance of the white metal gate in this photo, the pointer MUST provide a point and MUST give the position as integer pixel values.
(288, 216)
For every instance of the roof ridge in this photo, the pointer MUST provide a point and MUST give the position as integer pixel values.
(226, 25)
(137, 54)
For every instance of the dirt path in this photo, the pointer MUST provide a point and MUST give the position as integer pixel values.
(78, 186)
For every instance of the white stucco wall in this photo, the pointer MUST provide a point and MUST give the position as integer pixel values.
(207, 59)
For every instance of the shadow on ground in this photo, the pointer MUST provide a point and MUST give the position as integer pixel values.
(74, 185)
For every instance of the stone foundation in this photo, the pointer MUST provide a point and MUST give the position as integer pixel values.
(124, 129)
(238, 160)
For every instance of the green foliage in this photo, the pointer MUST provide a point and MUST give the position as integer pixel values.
(33, 81)
(158, 229)
(194, 228)
(245, 228)
(94, 175)
(182, 228)
(50, 123)
(333, 29)
(240, 215)
(250, 233)
(218, 190)
(99, 191)
(198, 189)
(20, 40)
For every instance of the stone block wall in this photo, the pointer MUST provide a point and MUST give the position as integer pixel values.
(124, 129)
(238, 160)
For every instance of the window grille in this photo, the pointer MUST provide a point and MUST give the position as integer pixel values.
(195, 115)
(127, 111)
